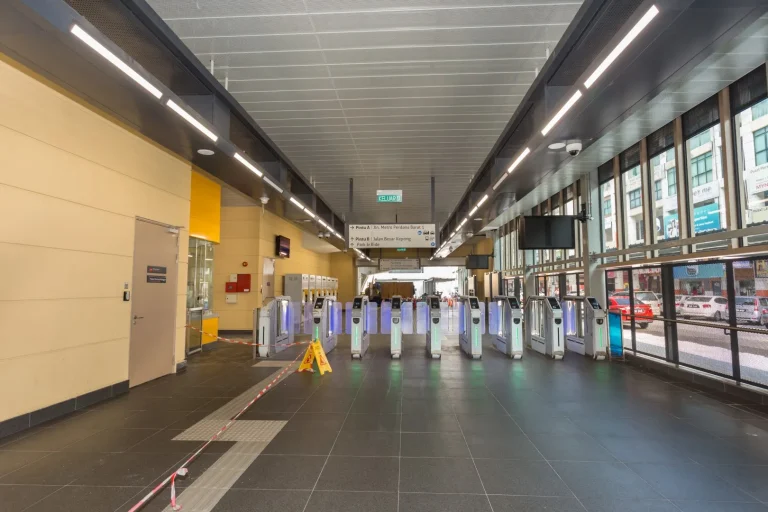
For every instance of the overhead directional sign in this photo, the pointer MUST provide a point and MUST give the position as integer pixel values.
(399, 264)
(369, 236)
(389, 196)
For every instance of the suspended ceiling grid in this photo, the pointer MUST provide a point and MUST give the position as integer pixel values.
(387, 92)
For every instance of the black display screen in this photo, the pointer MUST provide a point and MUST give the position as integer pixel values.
(319, 303)
(473, 304)
(593, 302)
(395, 302)
(546, 232)
(513, 303)
(435, 304)
(357, 303)
(553, 303)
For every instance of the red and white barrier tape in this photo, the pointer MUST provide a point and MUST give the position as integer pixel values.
(182, 471)
(240, 342)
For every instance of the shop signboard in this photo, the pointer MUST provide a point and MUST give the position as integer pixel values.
(761, 269)
(671, 226)
(756, 182)
(707, 191)
(706, 218)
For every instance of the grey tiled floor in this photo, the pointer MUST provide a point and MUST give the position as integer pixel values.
(412, 435)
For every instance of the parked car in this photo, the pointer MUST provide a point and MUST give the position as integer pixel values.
(705, 306)
(646, 297)
(620, 304)
(752, 310)
(679, 303)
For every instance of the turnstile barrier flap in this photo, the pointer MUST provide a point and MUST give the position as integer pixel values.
(482, 317)
(336, 317)
(386, 317)
(348, 318)
(422, 317)
(296, 316)
(493, 317)
(308, 318)
(462, 320)
(372, 312)
(407, 317)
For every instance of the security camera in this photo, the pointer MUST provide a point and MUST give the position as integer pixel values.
(573, 148)
(320, 234)
(264, 199)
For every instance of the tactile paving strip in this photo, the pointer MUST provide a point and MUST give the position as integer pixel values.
(261, 431)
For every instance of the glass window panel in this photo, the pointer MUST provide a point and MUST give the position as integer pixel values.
(657, 190)
(633, 193)
(705, 180)
(751, 285)
(607, 192)
(752, 129)
(666, 225)
(558, 253)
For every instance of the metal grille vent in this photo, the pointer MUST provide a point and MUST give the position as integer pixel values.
(611, 17)
(118, 24)
(661, 140)
(605, 172)
(701, 117)
(749, 90)
(630, 158)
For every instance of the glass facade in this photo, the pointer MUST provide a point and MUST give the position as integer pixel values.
(663, 171)
(706, 185)
(751, 125)
(632, 183)
(609, 228)
(200, 274)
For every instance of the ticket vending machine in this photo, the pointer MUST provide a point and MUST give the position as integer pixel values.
(274, 326)
(396, 329)
(509, 338)
(360, 336)
(470, 337)
(434, 341)
(544, 326)
(595, 329)
(322, 324)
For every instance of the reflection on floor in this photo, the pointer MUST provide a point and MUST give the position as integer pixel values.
(411, 435)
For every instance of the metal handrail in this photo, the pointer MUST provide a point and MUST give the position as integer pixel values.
(700, 324)
(681, 242)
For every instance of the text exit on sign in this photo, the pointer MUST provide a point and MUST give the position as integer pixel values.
(389, 196)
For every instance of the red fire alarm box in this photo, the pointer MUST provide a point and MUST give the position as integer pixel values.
(243, 283)
(230, 287)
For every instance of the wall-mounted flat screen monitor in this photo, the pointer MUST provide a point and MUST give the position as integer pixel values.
(477, 261)
(546, 232)
(283, 246)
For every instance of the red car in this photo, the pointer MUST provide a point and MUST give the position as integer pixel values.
(643, 312)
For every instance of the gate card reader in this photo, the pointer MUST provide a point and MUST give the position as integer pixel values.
(360, 336)
(470, 339)
(396, 330)
(434, 342)
(509, 339)
(322, 323)
(595, 330)
(554, 329)
(274, 326)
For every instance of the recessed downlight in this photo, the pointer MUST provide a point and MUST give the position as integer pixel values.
(205, 152)
(556, 146)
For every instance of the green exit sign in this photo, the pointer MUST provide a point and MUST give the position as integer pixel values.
(389, 196)
(401, 249)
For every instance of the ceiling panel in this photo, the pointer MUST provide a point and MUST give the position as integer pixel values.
(390, 93)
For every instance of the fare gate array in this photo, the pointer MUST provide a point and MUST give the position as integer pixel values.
(545, 324)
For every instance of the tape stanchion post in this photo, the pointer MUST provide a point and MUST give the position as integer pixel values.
(315, 357)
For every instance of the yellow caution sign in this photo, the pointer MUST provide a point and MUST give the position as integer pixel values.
(315, 355)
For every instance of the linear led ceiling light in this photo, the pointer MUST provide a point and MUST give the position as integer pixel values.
(273, 184)
(519, 159)
(551, 124)
(297, 203)
(191, 120)
(503, 177)
(473, 210)
(338, 235)
(322, 223)
(631, 35)
(309, 212)
(240, 158)
(115, 60)
(483, 200)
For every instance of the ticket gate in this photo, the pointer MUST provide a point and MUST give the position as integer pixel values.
(544, 326)
(509, 338)
(470, 337)
(322, 324)
(274, 326)
(396, 329)
(360, 336)
(434, 340)
(596, 330)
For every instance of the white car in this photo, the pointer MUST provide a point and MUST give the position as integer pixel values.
(705, 306)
